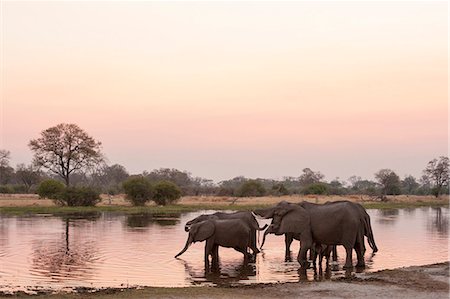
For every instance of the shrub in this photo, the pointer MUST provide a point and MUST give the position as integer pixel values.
(166, 192)
(316, 188)
(50, 189)
(279, 189)
(251, 188)
(138, 190)
(6, 189)
(78, 196)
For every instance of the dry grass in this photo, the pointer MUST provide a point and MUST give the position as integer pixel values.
(33, 200)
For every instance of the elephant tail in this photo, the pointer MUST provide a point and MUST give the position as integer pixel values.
(369, 234)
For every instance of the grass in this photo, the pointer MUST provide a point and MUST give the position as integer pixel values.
(171, 209)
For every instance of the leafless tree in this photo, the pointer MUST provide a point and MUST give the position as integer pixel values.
(437, 174)
(65, 149)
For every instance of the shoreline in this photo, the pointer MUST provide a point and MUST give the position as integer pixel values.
(426, 281)
(21, 204)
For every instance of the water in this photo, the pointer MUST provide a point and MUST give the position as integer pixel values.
(114, 250)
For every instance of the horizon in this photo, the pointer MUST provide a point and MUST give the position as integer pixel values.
(228, 89)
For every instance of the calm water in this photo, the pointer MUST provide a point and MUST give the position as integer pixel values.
(113, 250)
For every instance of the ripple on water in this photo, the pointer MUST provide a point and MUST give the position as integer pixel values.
(112, 250)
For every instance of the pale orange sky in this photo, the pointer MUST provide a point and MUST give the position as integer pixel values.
(221, 89)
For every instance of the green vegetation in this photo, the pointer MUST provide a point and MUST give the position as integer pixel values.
(251, 188)
(51, 189)
(138, 190)
(79, 196)
(165, 192)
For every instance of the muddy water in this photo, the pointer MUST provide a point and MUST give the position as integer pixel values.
(114, 250)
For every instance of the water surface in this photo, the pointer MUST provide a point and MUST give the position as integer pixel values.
(115, 250)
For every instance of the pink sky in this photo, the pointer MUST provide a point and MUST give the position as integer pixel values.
(260, 89)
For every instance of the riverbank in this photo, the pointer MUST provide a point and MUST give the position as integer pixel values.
(428, 281)
(20, 204)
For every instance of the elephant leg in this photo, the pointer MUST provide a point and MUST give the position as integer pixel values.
(208, 250)
(244, 252)
(334, 251)
(348, 259)
(288, 238)
(215, 257)
(253, 243)
(301, 258)
(360, 255)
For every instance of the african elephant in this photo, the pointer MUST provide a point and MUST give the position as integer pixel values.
(329, 224)
(246, 217)
(233, 233)
(357, 208)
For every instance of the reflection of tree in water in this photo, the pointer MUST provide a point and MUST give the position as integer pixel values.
(146, 219)
(4, 232)
(65, 258)
(438, 222)
(388, 216)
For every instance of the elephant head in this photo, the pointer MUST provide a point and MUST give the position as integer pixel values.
(290, 218)
(198, 219)
(198, 232)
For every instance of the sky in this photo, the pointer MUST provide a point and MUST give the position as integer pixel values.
(223, 89)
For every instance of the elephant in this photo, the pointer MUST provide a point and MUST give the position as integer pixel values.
(329, 224)
(245, 216)
(233, 233)
(365, 221)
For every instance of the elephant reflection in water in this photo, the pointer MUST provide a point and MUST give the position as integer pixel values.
(59, 259)
(230, 275)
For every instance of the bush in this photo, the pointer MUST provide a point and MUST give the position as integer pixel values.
(316, 188)
(6, 189)
(279, 190)
(50, 189)
(78, 196)
(166, 192)
(251, 188)
(138, 190)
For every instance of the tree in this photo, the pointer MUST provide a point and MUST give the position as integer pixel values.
(310, 177)
(409, 185)
(437, 173)
(139, 190)
(389, 181)
(65, 149)
(251, 188)
(27, 175)
(6, 171)
(165, 192)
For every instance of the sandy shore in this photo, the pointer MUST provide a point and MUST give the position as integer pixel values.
(428, 281)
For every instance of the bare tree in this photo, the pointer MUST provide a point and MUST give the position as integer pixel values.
(6, 171)
(65, 149)
(27, 175)
(437, 174)
(310, 177)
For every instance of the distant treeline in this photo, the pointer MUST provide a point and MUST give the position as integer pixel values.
(67, 153)
(109, 180)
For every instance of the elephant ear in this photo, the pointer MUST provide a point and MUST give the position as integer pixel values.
(204, 231)
(295, 220)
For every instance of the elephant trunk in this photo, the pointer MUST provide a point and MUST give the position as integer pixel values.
(264, 238)
(188, 243)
